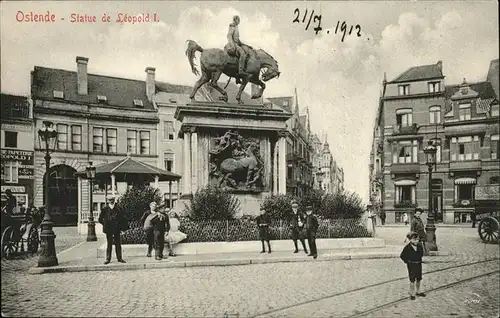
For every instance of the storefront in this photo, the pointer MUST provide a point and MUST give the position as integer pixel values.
(18, 175)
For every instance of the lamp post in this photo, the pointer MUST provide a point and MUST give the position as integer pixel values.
(430, 228)
(90, 171)
(47, 136)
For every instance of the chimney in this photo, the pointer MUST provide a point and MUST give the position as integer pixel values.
(150, 83)
(82, 78)
(440, 65)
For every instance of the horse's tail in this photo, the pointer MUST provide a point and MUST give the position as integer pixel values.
(190, 53)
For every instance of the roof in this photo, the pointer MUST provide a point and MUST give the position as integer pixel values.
(13, 106)
(118, 91)
(129, 166)
(283, 102)
(493, 76)
(484, 89)
(420, 73)
(179, 94)
(232, 90)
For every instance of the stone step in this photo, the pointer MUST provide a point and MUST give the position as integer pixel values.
(133, 250)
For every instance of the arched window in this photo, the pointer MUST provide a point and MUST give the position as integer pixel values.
(435, 114)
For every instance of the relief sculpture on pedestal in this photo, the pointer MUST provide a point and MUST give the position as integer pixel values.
(235, 162)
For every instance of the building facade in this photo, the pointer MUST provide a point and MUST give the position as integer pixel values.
(99, 119)
(328, 176)
(461, 120)
(299, 150)
(17, 155)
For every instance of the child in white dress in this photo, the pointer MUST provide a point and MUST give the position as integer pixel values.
(174, 236)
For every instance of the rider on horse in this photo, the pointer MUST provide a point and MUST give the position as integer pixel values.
(234, 47)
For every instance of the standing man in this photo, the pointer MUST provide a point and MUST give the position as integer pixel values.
(417, 226)
(234, 47)
(311, 228)
(382, 217)
(113, 222)
(263, 223)
(297, 224)
(10, 205)
(161, 225)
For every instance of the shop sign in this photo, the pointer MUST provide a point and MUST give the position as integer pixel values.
(15, 189)
(25, 158)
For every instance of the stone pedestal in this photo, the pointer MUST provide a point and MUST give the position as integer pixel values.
(248, 132)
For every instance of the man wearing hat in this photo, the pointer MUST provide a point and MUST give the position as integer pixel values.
(311, 229)
(113, 222)
(297, 224)
(263, 223)
(417, 226)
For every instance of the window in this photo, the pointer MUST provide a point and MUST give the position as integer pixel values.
(434, 87)
(404, 117)
(11, 139)
(289, 172)
(405, 193)
(169, 130)
(102, 99)
(169, 161)
(404, 89)
(495, 180)
(437, 143)
(76, 138)
(494, 111)
(464, 112)
(97, 139)
(495, 146)
(131, 141)
(465, 148)
(138, 103)
(464, 192)
(11, 171)
(407, 152)
(435, 115)
(62, 137)
(145, 146)
(111, 140)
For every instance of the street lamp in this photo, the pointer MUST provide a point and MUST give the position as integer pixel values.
(430, 228)
(47, 137)
(90, 171)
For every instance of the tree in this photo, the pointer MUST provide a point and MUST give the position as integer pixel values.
(344, 204)
(136, 200)
(213, 203)
(278, 206)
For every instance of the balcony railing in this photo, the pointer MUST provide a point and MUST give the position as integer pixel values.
(405, 130)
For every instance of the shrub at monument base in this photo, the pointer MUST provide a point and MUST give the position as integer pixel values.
(213, 203)
(245, 229)
(135, 201)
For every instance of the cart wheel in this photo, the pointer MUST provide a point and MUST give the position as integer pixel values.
(33, 241)
(9, 246)
(489, 230)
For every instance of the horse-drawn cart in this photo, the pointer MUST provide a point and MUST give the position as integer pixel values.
(487, 212)
(19, 233)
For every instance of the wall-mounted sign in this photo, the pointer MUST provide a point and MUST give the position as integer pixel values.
(14, 189)
(12, 127)
(25, 158)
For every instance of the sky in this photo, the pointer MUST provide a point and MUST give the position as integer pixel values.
(338, 81)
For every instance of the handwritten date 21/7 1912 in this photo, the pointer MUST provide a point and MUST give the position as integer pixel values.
(342, 28)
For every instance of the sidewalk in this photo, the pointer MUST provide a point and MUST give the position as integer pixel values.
(437, 225)
(83, 257)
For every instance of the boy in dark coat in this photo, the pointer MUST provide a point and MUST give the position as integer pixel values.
(161, 224)
(297, 224)
(263, 222)
(412, 256)
(417, 226)
(311, 230)
(113, 222)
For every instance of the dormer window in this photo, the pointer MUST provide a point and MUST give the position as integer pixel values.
(494, 111)
(404, 89)
(464, 111)
(138, 103)
(173, 101)
(285, 103)
(58, 94)
(434, 87)
(102, 99)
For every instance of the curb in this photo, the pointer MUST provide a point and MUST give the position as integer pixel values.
(220, 262)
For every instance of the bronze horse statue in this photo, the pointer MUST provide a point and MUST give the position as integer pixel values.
(215, 61)
(250, 163)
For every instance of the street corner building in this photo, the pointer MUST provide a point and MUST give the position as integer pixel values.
(98, 119)
(463, 122)
(17, 149)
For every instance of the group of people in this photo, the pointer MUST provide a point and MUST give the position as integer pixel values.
(303, 226)
(161, 229)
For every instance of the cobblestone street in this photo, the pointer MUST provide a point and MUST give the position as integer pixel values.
(369, 288)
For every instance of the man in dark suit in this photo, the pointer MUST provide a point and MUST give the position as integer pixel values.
(113, 222)
(311, 229)
(161, 224)
(297, 224)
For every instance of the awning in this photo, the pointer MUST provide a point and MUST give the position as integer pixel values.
(465, 181)
(405, 182)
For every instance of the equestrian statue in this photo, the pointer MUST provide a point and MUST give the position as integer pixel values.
(237, 60)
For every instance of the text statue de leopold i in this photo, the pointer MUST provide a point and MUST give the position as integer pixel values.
(235, 162)
(237, 60)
